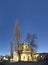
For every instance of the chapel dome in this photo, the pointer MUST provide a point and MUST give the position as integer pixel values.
(24, 47)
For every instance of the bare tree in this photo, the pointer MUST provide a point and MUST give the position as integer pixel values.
(17, 35)
(33, 41)
(11, 49)
(30, 38)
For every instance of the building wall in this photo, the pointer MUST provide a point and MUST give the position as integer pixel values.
(26, 57)
(26, 54)
(15, 56)
(35, 56)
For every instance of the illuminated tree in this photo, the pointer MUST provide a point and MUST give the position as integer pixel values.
(11, 49)
(17, 37)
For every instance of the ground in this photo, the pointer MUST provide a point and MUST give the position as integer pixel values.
(27, 63)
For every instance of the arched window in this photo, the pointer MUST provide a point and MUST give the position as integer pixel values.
(28, 58)
(24, 57)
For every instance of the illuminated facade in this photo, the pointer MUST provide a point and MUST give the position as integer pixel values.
(25, 53)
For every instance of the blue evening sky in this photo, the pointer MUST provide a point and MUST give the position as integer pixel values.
(32, 16)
